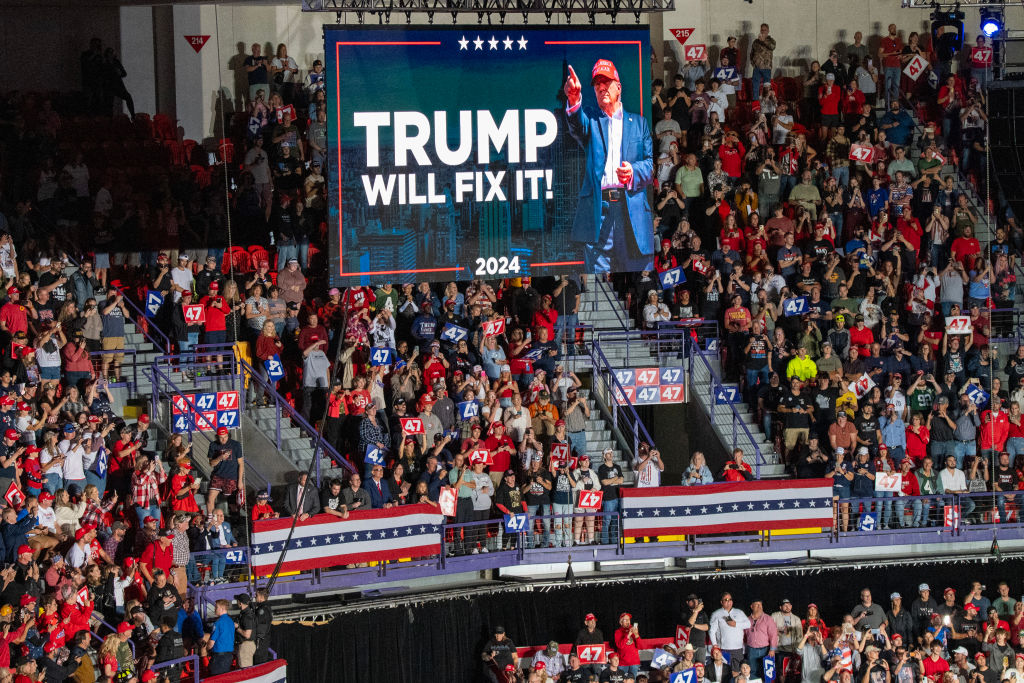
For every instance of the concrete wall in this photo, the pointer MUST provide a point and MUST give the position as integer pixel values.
(40, 43)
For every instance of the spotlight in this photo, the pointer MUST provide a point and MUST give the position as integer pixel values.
(947, 32)
(991, 21)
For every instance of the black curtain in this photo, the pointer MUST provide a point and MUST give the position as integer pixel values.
(441, 642)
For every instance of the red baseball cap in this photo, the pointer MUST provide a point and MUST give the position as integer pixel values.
(604, 67)
(589, 617)
(82, 531)
(214, 286)
(27, 600)
(144, 418)
(24, 549)
(539, 666)
(45, 495)
(148, 519)
(148, 675)
(51, 646)
(12, 290)
(12, 434)
(32, 450)
(626, 614)
(222, 431)
(124, 627)
(559, 422)
(24, 406)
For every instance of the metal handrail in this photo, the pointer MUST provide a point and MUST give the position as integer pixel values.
(604, 372)
(194, 659)
(150, 326)
(613, 303)
(282, 406)
(737, 419)
(154, 374)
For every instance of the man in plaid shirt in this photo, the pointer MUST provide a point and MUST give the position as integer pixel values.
(146, 480)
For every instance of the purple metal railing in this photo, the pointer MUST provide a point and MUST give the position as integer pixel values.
(284, 410)
(624, 416)
(965, 531)
(695, 356)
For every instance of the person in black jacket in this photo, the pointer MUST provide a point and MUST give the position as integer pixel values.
(171, 646)
(900, 619)
(55, 671)
(590, 634)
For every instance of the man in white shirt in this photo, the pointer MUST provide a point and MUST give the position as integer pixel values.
(953, 480)
(79, 554)
(181, 277)
(74, 457)
(728, 624)
(45, 513)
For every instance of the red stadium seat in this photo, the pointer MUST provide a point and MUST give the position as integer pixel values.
(163, 127)
(258, 254)
(230, 255)
(201, 175)
(226, 151)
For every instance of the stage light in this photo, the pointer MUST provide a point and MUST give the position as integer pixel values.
(947, 32)
(991, 21)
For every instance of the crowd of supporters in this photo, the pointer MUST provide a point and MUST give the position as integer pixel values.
(972, 635)
(758, 201)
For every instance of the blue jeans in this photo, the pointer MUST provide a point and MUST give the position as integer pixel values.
(884, 508)
(842, 174)
(151, 511)
(786, 183)
(610, 521)
(900, 505)
(1015, 447)
(578, 441)
(939, 450)
(961, 449)
(754, 374)
(534, 511)
(631, 670)
(99, 482)
(566, 327)
(563, 527)
(759, 77)
(983, 76)
(892, 84)
(217, 564)
(1001, 506)
(755, 658)
(54, 481)
(286, 252)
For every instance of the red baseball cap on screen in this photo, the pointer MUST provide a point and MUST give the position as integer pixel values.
(604, 67)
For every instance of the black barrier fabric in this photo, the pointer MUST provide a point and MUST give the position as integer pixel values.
(441, 642)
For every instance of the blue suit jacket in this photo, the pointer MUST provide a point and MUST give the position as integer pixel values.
(377, 500)
(589, 127)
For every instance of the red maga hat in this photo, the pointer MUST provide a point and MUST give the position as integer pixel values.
(604, 67)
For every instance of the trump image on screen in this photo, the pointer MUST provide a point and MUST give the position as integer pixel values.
(613, 217)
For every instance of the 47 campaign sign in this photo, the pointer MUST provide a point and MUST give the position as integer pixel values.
(204, 412)
(651, 386)
(491, 178)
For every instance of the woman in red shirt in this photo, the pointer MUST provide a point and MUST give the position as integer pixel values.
(813, 620)
(184, 487)
(357, 399)
(917, 439)
(268, 345)
(546, 316)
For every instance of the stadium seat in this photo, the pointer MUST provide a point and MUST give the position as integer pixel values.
(163, 128)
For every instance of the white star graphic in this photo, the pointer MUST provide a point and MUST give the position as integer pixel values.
(478, 44)
(767, 505)
(750, 506)
(718, 508)
(686, 511)
(782, 504)
(422, 529)
(463, 44)
(703, 511)
(312, 541)
(657, 512)
(735, 507)
(796, 503)
(522, 42)
(298, 543)
(408, 531)
(672, 512)
(394, 532)
(813, 503)
(383, 534)
(493, 42)
(639, 513)
(341, 538)
(508, 43)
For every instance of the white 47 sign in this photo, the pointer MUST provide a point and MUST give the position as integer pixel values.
(916, 67)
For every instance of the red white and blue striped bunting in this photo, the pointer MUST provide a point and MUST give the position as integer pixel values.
(271, 672)
(726, 508)
(328, 541)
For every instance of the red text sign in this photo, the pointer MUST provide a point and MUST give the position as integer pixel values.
(682, 34)
(195, 314)
(862, 153)
(412, 425)
(695, 53)
(197, 42)
(591, 654)
(590, 500)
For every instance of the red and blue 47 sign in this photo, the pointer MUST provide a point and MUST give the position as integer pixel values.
(650, 386)
(204, 412)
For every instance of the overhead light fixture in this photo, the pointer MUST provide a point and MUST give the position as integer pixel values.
(991, 21)
(947, 32)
